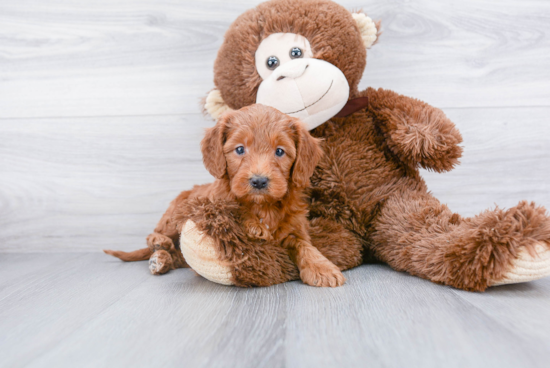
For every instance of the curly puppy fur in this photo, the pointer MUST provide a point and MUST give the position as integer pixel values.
(262, 160)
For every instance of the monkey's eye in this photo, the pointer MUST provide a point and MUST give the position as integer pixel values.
(239, 150)
(279, 152)
(272, 62)
(295, 53)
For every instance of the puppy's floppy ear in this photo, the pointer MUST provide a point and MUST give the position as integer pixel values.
(212, 146)
(308, 154)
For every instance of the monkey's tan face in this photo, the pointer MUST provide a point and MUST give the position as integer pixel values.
(259, 156)
(296, 83)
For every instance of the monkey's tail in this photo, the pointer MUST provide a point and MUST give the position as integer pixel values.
(137, 255)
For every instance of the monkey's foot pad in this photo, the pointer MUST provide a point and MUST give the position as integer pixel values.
(528, 267)
(200, 254)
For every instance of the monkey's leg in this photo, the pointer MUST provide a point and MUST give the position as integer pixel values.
(258, 262)
(417, 234)
(213, 231)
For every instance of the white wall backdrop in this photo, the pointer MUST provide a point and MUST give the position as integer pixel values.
(100, 120)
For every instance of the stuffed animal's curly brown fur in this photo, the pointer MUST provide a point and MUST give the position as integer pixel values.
(367, 192)
(367, 200)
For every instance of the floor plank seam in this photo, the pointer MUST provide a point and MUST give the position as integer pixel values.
(489, 316)
(87, 322)
(23, 287)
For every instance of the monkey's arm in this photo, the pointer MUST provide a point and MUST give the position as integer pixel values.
(417, 133)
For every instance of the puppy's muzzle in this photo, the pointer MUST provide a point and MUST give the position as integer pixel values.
(259, 182)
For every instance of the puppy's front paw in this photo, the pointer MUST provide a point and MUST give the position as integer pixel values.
(322, 274)
(160, 262)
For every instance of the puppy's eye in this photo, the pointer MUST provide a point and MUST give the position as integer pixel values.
(295, 53)
(279, 152)
(272, 62)
(239, 150)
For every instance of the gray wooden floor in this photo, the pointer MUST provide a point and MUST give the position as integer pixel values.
(99, 129)
(86, 310)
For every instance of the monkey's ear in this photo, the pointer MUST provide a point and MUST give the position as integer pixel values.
(212, 146)
(368, 28)
(214, 104)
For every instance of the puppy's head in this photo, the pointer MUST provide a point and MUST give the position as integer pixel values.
(261, 151)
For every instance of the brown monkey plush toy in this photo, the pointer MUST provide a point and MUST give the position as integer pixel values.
(367, 200)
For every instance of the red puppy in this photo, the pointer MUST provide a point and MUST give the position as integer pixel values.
(262, 160)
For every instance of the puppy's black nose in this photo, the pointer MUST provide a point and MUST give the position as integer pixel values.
(259, 182)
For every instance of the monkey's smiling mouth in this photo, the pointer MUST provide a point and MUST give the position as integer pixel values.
(320, 98)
